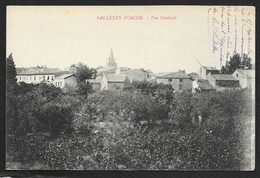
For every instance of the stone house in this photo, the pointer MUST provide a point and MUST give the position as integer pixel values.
(205, 70)
(95, 83)
(69, 80)
(113, 81)
(199, 84)
(134, 74)
(246, 78)
(35, 77)
(179, 80)
(223, 81)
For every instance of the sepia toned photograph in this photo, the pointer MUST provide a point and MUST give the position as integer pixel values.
(169, 88)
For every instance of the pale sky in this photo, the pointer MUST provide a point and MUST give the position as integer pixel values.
(63, 35)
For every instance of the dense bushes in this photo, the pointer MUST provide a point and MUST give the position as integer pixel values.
(158, 148)
(34, 109)
(105, 131)
(105, 105)
(161, 93)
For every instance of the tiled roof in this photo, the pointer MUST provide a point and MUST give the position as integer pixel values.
(162, 74)
(115, 78)
(138, 71)
(65, 76)
(204, 84)
(223, 77)
(195, 76)
(177, 75)
(38, 73)
(57, 74)
(209, 68)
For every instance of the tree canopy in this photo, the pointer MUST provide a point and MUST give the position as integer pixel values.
(10, 69)
(237, 62)
(84, 72)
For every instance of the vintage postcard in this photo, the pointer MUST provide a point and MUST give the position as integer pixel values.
(130, 88)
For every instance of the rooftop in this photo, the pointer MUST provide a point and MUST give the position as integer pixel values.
(223, 77)
(105, 69)
(37, 73)
(115, 78)
(64, 76)
(195, 76)
(140, 71)
(177, 75)
(204, 84)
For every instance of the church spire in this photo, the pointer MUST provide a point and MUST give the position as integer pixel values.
(111, 61)
(111, 57)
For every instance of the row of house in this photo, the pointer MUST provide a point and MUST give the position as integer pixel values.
(213, 80)
(208, 78)
(112, 76)
(59, 79)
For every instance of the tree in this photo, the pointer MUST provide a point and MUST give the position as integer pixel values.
(237, 62)
(84, 72)
(83, 88)
(10, 70)
(69, 89)
(11, 103)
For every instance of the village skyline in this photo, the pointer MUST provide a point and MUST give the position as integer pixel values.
(61, 36)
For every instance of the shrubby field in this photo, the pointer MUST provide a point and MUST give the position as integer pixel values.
(146, 127)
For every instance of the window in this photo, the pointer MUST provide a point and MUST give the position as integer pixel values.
(169, 80)
(48, 77)
(34, 77)
(181, 80)
(180, 87)
(237, 75)
(52, 77)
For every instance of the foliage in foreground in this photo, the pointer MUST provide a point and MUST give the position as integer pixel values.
(108, 132)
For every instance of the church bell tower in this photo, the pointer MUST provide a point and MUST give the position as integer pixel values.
(111, 60)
